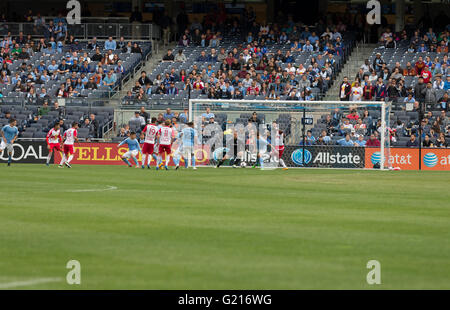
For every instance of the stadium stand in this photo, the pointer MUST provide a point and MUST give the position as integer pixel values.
(212, 65)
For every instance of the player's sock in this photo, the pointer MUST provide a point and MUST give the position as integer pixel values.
(70, 159)
(193, 161)
(154, 157)
(144, 157)
(221, 162)
(63, 160)
(237, 161)
(126, 161)
(167, 161)
(49, 157)
(260, 162)
(9, 159)
(135, 161)
(282, 163)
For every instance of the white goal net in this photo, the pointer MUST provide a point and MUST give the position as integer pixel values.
(272, 134)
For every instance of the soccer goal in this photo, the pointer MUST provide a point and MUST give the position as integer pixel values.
(273, 133)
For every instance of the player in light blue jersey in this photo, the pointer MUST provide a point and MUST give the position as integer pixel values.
(188, 137)
(9, 136)
(133, 149)
(261, 149)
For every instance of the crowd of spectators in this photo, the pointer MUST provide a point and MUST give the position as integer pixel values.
(362, 128)
(75, 65)
(376, 81)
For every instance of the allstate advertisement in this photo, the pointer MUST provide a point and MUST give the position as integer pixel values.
(325, 156)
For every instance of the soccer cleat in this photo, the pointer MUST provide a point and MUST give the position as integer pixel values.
(47, 164)
(143, 167)
(68, 165)
(234, 166)
(60, 166)
(130, 166)
(148, 166)
(285, 168)
(176, 167)
(9, 163)
(195, 168)
(165, 167)
(137, 166)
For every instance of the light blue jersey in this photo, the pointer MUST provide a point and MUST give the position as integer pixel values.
(133, 144)
(188, 136)
(9, 133)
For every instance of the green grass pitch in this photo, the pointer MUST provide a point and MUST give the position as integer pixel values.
(223, 228)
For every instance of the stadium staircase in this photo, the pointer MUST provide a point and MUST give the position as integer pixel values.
(350, 68)
(149, 66)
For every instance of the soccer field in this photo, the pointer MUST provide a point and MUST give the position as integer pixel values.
(223, 228)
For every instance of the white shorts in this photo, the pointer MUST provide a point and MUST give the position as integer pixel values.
(188, 150)
(8, 147)
(130, 154)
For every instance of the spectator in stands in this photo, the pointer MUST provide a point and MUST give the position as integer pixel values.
(138, 118)
(447, 83)
(426, 75)
(444, 102)
(144, 79)
(184, 41)
(373, 141)
(360, 141)
(430, 95)
(180, 57)
(124, 132)
(419, 66)
(441, 142)
(110, 44)
(169, 56)
(168, 114)
(110, 80)
(357, 92)
(345, 141)
(136, 49)
(378, 62)
(412, 142)
(44, 109)
(345, 90)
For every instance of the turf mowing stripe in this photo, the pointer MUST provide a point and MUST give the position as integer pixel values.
(28, 282)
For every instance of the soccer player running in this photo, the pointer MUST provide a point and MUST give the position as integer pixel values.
(70, 136)
(133, 149)
(165, 135)
(150, 132)
(188, 136)
(261, 148)
(9, 136)
(54, 141)
(235, 156)
(278, 144)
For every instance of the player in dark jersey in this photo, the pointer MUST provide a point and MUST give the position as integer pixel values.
(233, 154)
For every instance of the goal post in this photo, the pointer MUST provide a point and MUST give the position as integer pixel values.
(319, 134)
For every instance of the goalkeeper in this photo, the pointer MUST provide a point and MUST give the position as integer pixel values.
(234, 154)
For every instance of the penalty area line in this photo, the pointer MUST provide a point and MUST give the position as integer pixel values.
(29, 282)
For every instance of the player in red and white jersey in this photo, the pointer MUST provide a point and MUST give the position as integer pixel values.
(70, 137)
(54, 141)
(278, 144)
(150, 132)
(165, 134)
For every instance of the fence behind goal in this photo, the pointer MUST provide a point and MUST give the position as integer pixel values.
(322, 134)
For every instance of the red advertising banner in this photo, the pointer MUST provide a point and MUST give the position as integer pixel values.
(408, 158)
(110, 154)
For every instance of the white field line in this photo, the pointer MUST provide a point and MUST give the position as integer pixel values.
(29, 282)
(108, 188)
